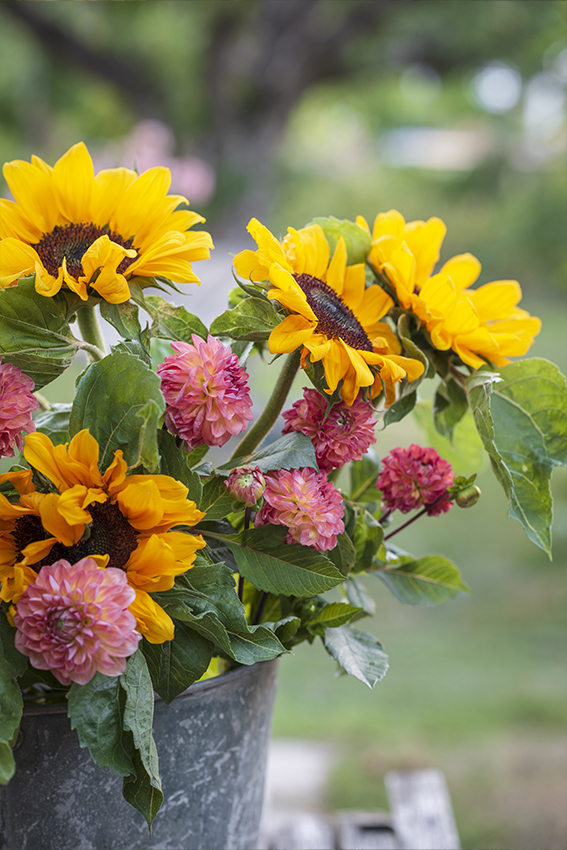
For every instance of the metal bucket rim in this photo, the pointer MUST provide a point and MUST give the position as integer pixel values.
(193, 690)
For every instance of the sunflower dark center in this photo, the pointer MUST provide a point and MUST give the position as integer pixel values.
(109, 533)
(71, 241)
(334, 318)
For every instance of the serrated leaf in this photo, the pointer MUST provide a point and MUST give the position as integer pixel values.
(176, 664)
(252, 319)
(119, 400)
(96, 713)
(521, 416)
(215, 500)
(143, 791)
(333, 615)
(123, 318)
(360, 654)
(292, 451)
(282, 568)
(171, 321)
(54, 423)
(423, 581)
(34, 333)
(358, 241)
(173, 462)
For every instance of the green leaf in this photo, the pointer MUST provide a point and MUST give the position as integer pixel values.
(363, 475)
(252, 319)
(423, 581)
(172, 322)
(215, 500)
(143, 791)
(358, 240)
(368, 537)
(343, 555)
(407, 392)
(96, 713)
(357, 595)
(292, 451)
(55, 423)
(360, 654)
(124, 318)
(173, 462)
(11, 703)
(119, 400)
(282, 568)
(332, 616)
(205, 599)
(34, 333)
(522, 421)
(449, 406)
(176, 664)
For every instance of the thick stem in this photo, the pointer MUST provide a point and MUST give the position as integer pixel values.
(269, 415)
(90, 331)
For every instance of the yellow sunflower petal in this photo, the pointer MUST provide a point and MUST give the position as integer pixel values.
(462, 269)
(336, 271)
(14, 223)
(32, 188)
(267, 242)
(152, 621)
(141, 503)
(55, 523)
(37, 551)
(110, 186)
(354, 283)
(293, 299)
(16, 260)
(20, 480)
(73, 183)
(141, 202)
(290, 334)
(106, 256)
(424, 239)
(496, 300)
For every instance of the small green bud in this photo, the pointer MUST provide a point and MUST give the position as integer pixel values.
(468, 497)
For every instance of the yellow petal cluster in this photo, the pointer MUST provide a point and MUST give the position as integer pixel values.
(357, 349)
(480, 325)
(73, 228)
(147, 507)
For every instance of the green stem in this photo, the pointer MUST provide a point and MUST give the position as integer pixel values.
(90, 331)
(269, 415)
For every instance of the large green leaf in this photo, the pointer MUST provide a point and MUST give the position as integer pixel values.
(360, 654)
(172, 322)
(55, 423)
(363, 475)
(119, 400)
(11, 702)
(205, 599)
(358, 241)
(176, 664)
(215, 500)
(173, 462)
(34, 333)
(252, 319)
(278, 567)
(143, 790)
(292, 451)
(521, 416)
(423, 581)
(96, 712)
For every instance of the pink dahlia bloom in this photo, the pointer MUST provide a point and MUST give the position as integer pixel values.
(344, 435)
(75, 621)
(307, 503)
(246, 484)
(16, 405)
(206, 392)
(415, 477)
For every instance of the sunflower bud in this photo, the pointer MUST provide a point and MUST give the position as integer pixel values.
(246, 484)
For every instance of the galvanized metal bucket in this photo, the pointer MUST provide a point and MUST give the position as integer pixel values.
(212, 744)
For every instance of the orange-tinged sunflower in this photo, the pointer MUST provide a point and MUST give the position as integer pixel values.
(119, 520)
(333, 317)
(70, 227)
(480, 325)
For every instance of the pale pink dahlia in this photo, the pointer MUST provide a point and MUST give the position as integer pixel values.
(345, 434)
(206, 392)
(246, 484)
(74, 620)
(16, 405)
(415, 477)
(307, 503)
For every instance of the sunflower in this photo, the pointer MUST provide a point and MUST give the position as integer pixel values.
(119, 520)
(70, 227)
(332, 316)
(480, 325)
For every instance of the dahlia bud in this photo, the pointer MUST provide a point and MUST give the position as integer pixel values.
(464, 492)
(246, 484)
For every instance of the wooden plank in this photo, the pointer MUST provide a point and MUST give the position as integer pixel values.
(300, 831)
(421, 810)
(365, 831)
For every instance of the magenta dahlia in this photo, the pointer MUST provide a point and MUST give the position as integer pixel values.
(307, 503)
(206, 392)
(74, 620)
(16, 405)
(345, 434)
(246, 484)
(415, 477)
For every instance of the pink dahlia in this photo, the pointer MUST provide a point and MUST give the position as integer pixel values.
(345, 434)
(74, 620)
(307, 503)
(206, 392)
(16, 404)
(415, 477)
(246, 484)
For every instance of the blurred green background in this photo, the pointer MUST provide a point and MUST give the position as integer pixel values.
(288, 110)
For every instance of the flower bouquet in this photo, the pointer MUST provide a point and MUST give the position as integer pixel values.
(131, 562)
